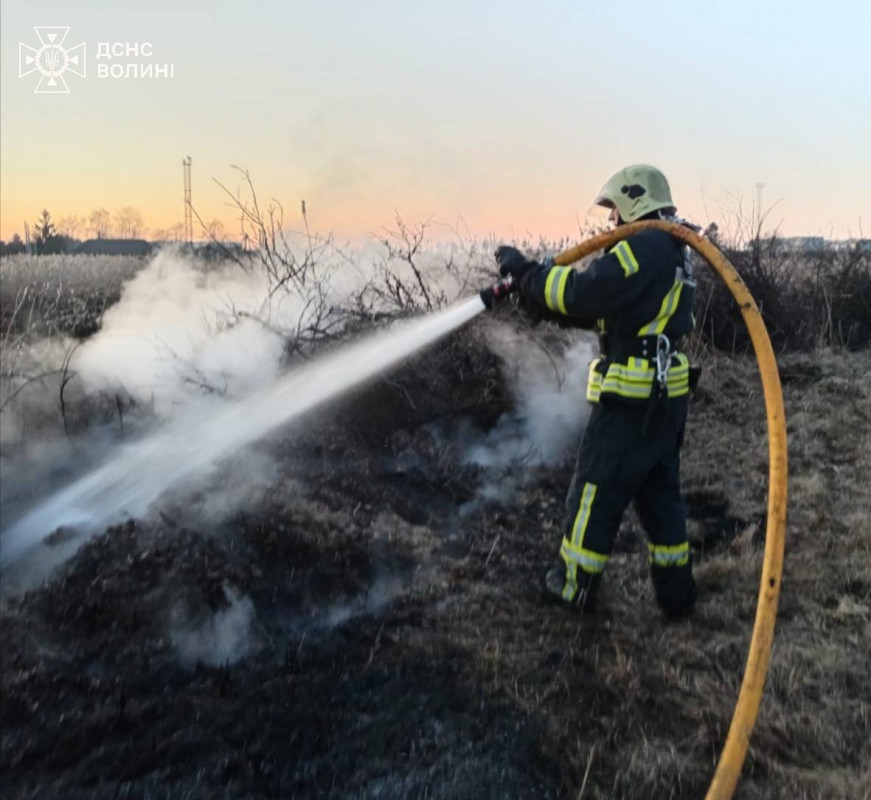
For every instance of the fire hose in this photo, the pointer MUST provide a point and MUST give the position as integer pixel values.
(731, 760)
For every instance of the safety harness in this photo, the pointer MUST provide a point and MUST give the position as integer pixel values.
(646, 366)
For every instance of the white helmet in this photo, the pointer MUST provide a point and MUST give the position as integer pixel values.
(636, 191)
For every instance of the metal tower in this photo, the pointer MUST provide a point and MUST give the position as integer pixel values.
(188, 211)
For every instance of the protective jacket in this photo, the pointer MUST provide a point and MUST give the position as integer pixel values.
(639, 291)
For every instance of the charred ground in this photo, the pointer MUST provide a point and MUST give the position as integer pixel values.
(383, 633)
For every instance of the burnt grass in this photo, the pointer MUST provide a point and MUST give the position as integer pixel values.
(392, 638)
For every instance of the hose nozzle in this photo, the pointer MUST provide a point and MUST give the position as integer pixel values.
(498, 291)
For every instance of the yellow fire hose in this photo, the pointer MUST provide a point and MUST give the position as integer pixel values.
(747, 707)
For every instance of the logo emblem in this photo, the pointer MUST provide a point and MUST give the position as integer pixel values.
(51, 60)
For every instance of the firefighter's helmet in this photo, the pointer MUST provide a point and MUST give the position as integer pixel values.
(636, 191)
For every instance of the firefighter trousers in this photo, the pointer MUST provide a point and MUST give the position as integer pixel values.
(618, 463)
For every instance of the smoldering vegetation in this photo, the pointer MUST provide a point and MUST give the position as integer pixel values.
(351, 608)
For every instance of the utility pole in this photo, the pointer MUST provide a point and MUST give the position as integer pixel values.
(188, 212)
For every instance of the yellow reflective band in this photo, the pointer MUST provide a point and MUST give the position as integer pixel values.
(634, 380)
(549, 297)
(614, 376)
(555, 288)
(625, 390)
(666, 310)
(664, 555)
(628, 382)
(626, 257)
(570, 589)
(594, 390)
(583, 516)
(588, 560)
(594, 382)
(561, 290)
(629, 373)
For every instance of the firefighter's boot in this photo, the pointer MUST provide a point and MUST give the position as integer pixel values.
(573, 587)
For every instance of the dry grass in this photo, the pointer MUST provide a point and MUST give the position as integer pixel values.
(61, 295)
(645, 705)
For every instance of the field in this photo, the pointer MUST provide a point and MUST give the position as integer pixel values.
(364, 619)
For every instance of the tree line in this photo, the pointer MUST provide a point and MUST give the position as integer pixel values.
(48, 236)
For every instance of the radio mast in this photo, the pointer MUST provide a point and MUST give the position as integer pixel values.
(188, 211)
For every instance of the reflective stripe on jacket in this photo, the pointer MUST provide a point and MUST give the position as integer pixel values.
(643, 286)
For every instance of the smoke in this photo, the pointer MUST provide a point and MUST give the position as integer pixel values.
(382, 591)
(37, 394)
(180, 334)
(186, 334)
(183, 340)
(206, 500)
(548, 383)
(224, 637)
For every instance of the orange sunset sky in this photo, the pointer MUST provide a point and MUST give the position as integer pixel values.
(506, 116)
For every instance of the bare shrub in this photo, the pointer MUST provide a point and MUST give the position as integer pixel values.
(807, 299)
(296, 263)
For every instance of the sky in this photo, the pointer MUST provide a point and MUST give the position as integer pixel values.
(484, 118)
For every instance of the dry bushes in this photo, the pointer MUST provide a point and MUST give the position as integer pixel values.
(807, 300)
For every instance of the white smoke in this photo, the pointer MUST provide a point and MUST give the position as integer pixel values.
(382, 591)
(221, 638)
(184, 339)
(180, 333)
(548, 383)
(38, 395)
(549, 387)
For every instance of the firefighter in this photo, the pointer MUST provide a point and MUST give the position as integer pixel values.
(639, 295)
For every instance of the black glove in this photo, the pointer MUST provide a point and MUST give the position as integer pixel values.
(488, 296)
(512, 262)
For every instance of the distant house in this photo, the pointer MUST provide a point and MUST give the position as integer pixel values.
(114, 247)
